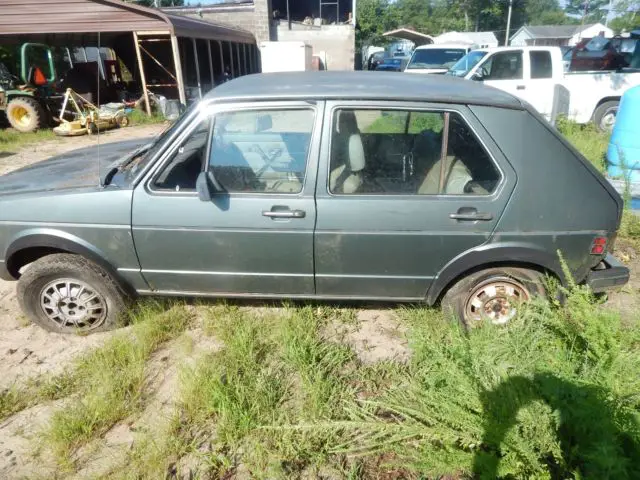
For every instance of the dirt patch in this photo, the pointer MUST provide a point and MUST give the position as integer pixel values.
(626, 301)
(375, 336)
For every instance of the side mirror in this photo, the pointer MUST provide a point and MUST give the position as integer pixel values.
(478, 76)
(207, 186)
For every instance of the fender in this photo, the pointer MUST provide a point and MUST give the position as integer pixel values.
(63, 241)
(489, 255)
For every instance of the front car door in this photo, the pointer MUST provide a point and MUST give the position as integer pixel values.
(504, 70)
(256, 236)
(402, 190)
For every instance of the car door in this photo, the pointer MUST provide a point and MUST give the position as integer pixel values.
(505, 70)
(255, 237)
(386, 226)
(539, 89)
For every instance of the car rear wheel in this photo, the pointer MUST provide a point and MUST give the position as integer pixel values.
(66, 293)
(494, 295)
(605, 115)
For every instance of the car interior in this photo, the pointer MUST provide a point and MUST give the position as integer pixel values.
(408, 163)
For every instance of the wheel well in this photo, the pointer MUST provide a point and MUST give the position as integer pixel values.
(24, 257)
(486, 266)
(607, 99)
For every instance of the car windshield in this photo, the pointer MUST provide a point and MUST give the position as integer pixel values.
(466, 63)
(435, 58)
(138, 162)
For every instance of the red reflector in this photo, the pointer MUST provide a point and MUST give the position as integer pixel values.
(600, 241)
(597, 250)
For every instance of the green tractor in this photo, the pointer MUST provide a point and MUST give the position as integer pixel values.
(29, 98)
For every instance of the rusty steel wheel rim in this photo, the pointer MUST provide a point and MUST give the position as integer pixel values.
(496, 301)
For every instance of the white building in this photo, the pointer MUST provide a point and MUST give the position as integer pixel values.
(557, 35)
(480, 39)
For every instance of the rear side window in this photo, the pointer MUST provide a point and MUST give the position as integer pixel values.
(540, 64)
(407, 152)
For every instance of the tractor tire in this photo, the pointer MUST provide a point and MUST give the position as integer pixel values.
(25, 114)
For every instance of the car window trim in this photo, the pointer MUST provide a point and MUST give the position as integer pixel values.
(210, 111)
(331, 112)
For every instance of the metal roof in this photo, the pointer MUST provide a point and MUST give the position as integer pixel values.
(553, 31)
(37, 17)
(411, 35)
(362, 86)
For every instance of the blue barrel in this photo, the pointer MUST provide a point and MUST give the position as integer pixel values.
(623, 154)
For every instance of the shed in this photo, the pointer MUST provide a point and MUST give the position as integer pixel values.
(170, 52)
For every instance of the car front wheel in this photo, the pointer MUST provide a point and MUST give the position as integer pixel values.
(494, 295)
(66, 293)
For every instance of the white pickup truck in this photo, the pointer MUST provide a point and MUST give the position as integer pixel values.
(536, 75)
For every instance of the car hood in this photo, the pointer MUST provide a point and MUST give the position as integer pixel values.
(76, 169)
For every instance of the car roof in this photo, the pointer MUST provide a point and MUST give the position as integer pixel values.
(361, 85)
(443, 46)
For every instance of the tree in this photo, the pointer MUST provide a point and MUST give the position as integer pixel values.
(628, 17)
(588, 10)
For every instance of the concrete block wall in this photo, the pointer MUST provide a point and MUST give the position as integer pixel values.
(337, 42)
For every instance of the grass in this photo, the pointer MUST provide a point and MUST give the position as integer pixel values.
(11, 139)
(110, 381)
(554, 395)
(591, 142)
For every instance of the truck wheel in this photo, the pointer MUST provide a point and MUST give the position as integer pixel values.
(605, 115)
(25, 114)
(66, 293)
(493, 295)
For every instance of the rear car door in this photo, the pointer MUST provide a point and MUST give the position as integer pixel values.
(539, 89)
(396, 202)
(256, 236)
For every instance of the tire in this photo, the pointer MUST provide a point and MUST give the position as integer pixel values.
(604, 116)
(25, 114)
(477, 298)
(65, 293)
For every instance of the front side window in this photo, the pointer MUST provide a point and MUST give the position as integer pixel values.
(403, 152)
(503, 66)
(261, 150)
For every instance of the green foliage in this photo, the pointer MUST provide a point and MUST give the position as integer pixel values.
(591, 142)
(593, 11)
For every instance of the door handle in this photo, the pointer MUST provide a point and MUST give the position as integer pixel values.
(520, 87)
(284, 213)
(471, 216)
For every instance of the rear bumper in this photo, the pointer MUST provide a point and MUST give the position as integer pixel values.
(609, 273)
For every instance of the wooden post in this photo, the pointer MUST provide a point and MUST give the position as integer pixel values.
(142, 76)
(197, 62)
(238, 57)
(213, 83)
(233, 71)
(178, 66)
(221, 56)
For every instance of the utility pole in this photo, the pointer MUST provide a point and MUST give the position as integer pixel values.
(506, 36)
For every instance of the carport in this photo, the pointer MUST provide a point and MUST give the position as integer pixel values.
(407, 34)
(178, 57)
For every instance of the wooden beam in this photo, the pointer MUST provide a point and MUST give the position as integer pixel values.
(197, 62)
(213, 83)
(233, 71)
(178, 66)
(142, 76)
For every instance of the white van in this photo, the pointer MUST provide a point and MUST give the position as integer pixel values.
(436, 58)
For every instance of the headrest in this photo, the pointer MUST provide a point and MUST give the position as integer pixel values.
(347, 123)
(356, 153)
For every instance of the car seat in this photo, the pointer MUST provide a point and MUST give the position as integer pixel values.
(348, 154)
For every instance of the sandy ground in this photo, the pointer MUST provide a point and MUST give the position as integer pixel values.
(26, 351)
